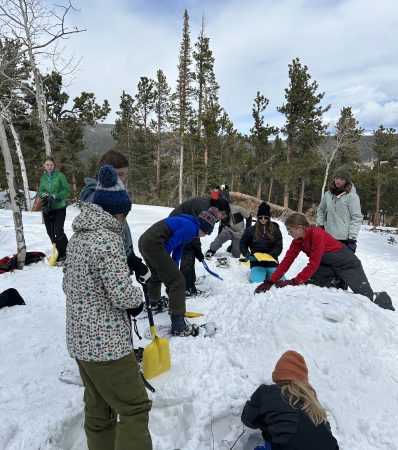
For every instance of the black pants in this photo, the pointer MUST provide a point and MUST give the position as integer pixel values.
(54, 221)
(187, 264)
(348, 267)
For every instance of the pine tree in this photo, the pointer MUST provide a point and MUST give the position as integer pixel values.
(303, 127)
(385, 142)
(183, 95)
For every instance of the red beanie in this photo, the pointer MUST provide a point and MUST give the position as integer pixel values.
(290, 367)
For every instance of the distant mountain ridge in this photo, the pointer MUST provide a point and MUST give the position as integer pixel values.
(98, 139)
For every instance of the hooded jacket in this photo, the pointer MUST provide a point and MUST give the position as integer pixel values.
(236, 224)
(341, 215)
(98, 288)
(87, 196)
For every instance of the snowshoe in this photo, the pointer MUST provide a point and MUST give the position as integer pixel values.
(207, 329)
(222, 262)
(194, 292)
(160, 305)
(200, 280)
(383, 300)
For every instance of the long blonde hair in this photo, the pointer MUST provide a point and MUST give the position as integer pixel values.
(299, 392)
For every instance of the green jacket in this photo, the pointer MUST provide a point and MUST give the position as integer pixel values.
(57, 186)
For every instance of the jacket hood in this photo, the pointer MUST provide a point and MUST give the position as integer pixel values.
(88, 189)
(94, 218)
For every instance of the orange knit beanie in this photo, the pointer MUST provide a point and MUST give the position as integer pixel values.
(290, 367)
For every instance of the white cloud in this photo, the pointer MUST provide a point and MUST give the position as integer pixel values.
(348, 46)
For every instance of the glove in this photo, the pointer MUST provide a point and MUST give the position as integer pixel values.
(134, 312)
(251, 258)
(200, 256)
(283, 283)
(141, 271)
(265, 286)
(321, 226)
(352, 245)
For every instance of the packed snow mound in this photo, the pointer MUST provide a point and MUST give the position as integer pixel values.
(350, 346)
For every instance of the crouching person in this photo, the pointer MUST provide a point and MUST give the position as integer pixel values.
(98, 292)
(289, 413)
(161, 246)
(327, 258)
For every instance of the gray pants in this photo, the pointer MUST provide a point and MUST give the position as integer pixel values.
(348, 267)
(224, 236)
(163, 269)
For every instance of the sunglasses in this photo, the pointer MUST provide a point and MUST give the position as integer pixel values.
(262, 217)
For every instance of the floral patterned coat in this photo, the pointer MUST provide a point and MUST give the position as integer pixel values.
(98, 288)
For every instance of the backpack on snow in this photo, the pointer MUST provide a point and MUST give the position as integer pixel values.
(11, 297)
(9, 263)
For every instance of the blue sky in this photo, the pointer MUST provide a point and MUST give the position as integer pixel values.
(349, 47)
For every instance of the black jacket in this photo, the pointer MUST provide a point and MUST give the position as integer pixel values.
(263, 244)
(285, 427)
(193, 206)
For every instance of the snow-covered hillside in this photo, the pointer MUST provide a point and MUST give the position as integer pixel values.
(350, 345)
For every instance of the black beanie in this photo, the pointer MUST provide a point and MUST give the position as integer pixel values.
(264, 210)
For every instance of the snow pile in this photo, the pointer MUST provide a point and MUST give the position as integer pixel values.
(350, 345)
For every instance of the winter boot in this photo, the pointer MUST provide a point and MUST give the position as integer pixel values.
(181, 327)
(209, 254)
(193, 292)
(383, 300)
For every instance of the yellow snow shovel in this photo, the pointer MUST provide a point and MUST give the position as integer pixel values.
(156, 357)
(192, 314)
(52, 259)
(259, 257)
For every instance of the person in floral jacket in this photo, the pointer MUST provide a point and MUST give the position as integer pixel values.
(99, 291)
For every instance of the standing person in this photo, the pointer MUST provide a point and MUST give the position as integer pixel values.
(120, 163)
(327, 258)
(288, 412)
(339, 212)
(161, 247)
(99, 292)
(54, 189)
(194, 206)
(231, 229)
(264, 237)
(224, 193)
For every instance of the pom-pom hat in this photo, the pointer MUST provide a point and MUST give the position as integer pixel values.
(207, 219)
(110, 193)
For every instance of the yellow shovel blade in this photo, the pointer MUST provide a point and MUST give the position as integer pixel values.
(264, 257)
(156, 357)
(191, 314)
(54, 256)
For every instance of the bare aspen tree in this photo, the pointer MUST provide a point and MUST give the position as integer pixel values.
(36, 26)
(15, 206)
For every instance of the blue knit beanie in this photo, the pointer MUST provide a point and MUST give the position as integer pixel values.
(110, 193)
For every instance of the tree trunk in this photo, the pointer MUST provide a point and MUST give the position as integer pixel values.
(181, 167)
(15, 206)
(157, 186)
(376, 222)
(22, 165)
(286, 188)
(271, 185)
(301, 197)
(259, 188)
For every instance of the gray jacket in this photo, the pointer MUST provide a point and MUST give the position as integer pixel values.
(341, 215)
(236, 223)
(98, 288)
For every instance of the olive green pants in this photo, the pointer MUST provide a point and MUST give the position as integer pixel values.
(116, 405)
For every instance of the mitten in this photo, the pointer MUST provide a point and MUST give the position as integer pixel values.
(321, 226)
(265, 286)
(200, 256)
(352, 245)
(251, 258)
(134, 312)
(283, 283)
(141, 271)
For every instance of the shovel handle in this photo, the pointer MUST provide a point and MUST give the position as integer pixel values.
(148, 305)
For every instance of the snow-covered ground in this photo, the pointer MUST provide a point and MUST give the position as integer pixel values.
(350, 345)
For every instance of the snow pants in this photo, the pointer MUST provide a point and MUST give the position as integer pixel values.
(187, 265)
(348, 267)
(54, 221)
(258, 273)
(163, 269)
(111, 389)
(224, 236)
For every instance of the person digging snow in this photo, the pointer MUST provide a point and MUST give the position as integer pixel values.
(162, 246)
(327, 257)
(99, 292)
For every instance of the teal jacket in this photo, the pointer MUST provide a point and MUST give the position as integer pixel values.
(340, 215)
(57, 186)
